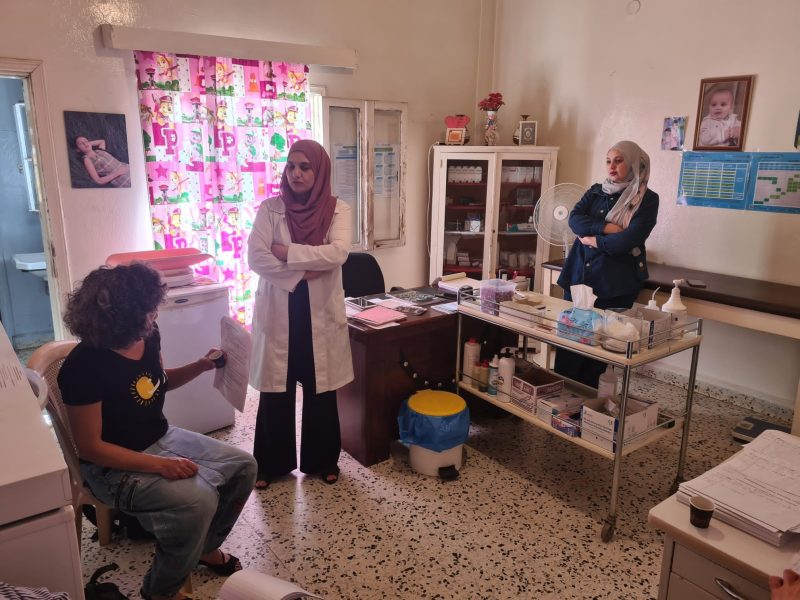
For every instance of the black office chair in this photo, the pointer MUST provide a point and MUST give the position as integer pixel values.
(362, 275)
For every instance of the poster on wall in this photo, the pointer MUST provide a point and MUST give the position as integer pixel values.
(757, 181)
(97, 146)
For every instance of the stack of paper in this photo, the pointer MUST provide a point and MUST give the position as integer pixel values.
(756, 490)
(378, 315)
(454, 282)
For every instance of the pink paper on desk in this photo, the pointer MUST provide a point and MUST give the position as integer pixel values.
(379, 315)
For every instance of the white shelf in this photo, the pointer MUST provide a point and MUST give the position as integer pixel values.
(641, 441)
(547, 333)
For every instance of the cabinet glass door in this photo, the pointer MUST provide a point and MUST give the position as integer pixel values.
(466, 194)
(520, 188)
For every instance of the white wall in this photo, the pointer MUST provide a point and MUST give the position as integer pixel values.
(592, 74)
(420, 52)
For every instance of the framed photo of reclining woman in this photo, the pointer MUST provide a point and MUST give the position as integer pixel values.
(97, 144)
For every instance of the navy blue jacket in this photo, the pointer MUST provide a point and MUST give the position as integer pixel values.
(614, 268)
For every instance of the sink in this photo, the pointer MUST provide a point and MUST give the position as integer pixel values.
(32, 262)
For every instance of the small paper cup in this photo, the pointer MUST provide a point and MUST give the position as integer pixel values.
(700, 511)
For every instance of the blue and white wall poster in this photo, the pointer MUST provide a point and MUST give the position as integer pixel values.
(759, 181)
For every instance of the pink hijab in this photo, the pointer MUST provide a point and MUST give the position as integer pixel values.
(309, 222)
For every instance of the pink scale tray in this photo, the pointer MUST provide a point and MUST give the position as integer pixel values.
(162, 260)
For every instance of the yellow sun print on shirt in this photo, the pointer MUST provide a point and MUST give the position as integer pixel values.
(143, 389)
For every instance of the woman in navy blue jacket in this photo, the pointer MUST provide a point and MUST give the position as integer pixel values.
(612, 222)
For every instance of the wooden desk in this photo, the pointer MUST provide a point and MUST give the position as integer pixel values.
(694, 559)
(759, 305)
(369, 404)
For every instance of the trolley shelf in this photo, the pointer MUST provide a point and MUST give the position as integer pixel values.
(541, 324)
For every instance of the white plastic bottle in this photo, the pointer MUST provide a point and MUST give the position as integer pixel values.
(472, 356)
(607, 384)
(493, 370)
(652, 304)
(677, 309)
(505, 375)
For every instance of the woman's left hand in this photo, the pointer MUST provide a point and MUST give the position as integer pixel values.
(589, 240)
(280, 251)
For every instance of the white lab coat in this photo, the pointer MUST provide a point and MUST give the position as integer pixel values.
(333, 365)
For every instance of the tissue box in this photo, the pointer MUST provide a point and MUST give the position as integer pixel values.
(531, 385)
(601, 429)
(580, 325)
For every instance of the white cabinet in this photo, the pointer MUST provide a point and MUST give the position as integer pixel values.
(718, 562)
(483, 198)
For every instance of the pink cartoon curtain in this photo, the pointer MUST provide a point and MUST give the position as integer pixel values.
(216, 132)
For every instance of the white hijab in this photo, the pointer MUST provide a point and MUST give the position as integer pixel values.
(634, 186)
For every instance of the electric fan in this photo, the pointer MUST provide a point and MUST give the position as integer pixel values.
(551, 215)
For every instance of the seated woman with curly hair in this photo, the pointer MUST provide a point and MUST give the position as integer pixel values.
(185, 488)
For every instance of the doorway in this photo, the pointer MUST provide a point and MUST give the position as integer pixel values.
(29, 298)
(24, 292)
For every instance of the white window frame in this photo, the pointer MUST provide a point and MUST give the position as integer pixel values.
(366, 169)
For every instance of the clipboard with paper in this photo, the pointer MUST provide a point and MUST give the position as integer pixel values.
(231, 380)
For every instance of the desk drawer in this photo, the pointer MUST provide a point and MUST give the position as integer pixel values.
(703, 572)
(680, 589)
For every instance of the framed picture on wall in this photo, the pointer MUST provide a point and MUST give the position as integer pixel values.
(97, 146)
(455, 136)
(527, 133)
(722, 113)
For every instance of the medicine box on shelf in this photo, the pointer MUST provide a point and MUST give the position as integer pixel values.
(531, 385)
(656, 323)
(601, 429)
(566, 402)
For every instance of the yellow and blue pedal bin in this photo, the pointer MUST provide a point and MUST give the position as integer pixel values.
(434, 425)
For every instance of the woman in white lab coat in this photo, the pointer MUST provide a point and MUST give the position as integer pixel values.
(299, 242)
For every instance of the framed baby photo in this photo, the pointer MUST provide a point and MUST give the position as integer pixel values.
(722, 113)
(97, 146)
(527, 133)
(455, 136)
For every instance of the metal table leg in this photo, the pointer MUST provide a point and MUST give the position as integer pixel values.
(611, 520)
(686, 420)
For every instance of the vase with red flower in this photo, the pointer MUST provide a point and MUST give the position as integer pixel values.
(491, 104)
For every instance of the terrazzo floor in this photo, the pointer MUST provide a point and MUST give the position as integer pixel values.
(522, 521)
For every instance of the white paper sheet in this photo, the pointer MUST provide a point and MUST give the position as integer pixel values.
(249, 584)
(231, 380)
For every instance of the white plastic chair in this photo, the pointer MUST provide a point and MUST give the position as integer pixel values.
(47, 361)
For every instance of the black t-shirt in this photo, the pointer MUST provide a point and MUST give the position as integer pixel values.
(132, 391)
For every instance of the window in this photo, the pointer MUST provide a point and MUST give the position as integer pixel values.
(366, 143)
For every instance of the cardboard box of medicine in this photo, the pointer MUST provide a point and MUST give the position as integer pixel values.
(601, 429)
(552, 406)
(568, 423)
(656, 323)
(531, 385)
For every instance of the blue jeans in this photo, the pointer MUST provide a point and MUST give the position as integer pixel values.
(189, 517)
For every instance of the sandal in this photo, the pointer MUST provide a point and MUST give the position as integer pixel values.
(261, 484)
(227, 567)
(330, 476)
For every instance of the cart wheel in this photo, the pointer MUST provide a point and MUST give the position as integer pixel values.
(607, 533)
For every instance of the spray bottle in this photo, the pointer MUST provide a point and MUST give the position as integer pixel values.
(677, 309)
(652, 304)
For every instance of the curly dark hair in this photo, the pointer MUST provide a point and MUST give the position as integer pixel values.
(110, 307)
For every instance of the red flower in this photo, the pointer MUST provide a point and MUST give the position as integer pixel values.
(492, 102)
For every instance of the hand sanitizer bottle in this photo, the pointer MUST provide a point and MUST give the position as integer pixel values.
(677, 309)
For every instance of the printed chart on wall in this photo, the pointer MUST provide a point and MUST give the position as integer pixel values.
(759, 181)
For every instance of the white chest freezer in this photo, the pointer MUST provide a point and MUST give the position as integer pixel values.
(189, 321)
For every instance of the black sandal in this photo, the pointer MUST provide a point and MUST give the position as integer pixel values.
(228, 567)
(330, 476)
